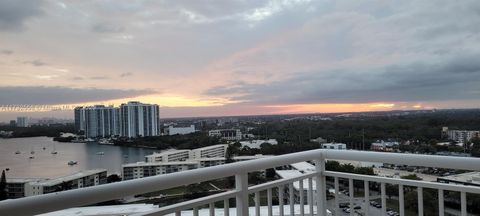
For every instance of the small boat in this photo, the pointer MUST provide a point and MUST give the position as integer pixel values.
(32, 152)
(54, 151)
(105, 142)
(31, 157)
(44, 148)
(100, 153)
(17, 152)
(71, 163)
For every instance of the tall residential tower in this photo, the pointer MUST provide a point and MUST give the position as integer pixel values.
(138, 119)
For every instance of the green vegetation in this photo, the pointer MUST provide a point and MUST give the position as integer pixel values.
(40, 130)
(188, 141)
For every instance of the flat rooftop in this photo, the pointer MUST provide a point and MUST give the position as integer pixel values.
(137, 164)
(56, 181)
(469, 178)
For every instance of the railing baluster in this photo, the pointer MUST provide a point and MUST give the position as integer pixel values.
(441, 203)
(241, 185)
(366, 190)
(211, 208)
(351, 191)
(420, 201)
(269, 200)
(280, 200)
(401, 200)
(463, 200)
(291, 199)
(257, 203)
(226, 207)
(321, 186)
(195, 211)
(310, 196)
(302, 200)
(337, 197)
(384, 198)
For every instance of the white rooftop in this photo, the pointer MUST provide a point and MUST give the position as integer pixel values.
(256, 143)
(469, 177)
(129, 209)
(293, 174)
(187, 162)
(56, 181)
(303, 166)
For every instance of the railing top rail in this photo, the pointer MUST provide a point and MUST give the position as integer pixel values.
(90, 195)
(461, 163)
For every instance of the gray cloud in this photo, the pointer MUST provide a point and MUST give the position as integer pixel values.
(63, 95)
(6, 52)
(13, 13)
(36, 63)
(126, 74)
(107, 28)
(455, 78)
(98, 78)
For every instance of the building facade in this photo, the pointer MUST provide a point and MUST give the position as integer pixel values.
(101, 121)
(132, 119)
(138, 119)
(337, 146)
(462, 135)
(226, 134)
(214, 151)
(180, 130)
(78, 180)
(169, 156)
(79, 115)
(22, 121)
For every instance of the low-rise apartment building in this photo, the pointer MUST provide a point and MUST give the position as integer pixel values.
(226, 134)
(78, 180)
(168, 156)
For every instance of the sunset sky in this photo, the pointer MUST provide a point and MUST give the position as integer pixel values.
(213, 58)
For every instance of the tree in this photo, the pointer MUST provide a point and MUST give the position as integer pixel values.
(113, 178)
(475, 151)
(3, 186)
(411, 177)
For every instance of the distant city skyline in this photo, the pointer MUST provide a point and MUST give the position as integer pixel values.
(202, 58)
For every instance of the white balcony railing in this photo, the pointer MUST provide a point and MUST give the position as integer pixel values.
(315, 203)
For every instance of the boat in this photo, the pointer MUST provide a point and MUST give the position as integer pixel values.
(32, 151)
(17, 152)
(100, 153)
(44, 148)
(71, 163)
(31, 157)
(105, 142)
(54, 151)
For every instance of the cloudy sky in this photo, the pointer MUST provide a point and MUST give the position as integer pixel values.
(210, 58)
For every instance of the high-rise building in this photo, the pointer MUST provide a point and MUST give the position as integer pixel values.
(138, 119)
(79, 119)
(22, 121)
(101, 121)
(133, 119)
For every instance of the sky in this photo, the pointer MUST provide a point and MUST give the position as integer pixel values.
(236, 57)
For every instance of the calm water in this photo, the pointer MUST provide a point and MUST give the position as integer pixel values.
(46, 164)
